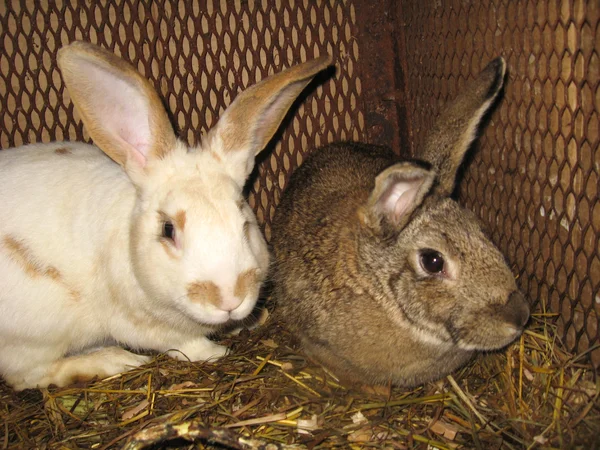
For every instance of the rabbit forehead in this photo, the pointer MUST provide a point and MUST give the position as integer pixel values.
(207, 200)
(445, 221)
(455, 232)
(183, 162)
(190, 177)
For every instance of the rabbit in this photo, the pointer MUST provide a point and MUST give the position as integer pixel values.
(379, 273)
(139, 241)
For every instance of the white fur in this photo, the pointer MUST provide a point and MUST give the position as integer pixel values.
(82, 267)
(75, 212)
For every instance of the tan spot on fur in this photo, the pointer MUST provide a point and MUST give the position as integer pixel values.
(205, 292)
(52, 272)
(245, 282)
(216, 156)
(168, 248)
(23, 256)
(180, 219)
(75, 295)
(63, 151)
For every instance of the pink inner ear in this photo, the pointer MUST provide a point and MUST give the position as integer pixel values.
(404, 203)
(400, 197)
(120, 109)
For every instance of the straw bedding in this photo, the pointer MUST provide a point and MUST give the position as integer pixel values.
(266, 394)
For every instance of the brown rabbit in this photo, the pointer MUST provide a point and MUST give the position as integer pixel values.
(382, 276)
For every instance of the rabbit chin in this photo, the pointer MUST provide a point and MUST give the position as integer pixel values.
(491, 338)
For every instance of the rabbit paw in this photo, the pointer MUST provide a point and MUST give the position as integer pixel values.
(201, 349)
(101, 363)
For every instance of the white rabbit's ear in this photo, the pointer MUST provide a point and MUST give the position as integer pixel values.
(456, 128)
(398, 191)
(250, 122)
(121, 111)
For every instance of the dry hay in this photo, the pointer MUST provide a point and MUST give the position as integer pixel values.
(266, 395)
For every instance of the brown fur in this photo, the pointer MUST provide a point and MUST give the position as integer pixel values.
(216, 156)
(271, 97)
(205, 292)
(180, 218)
(22, 255)
(245, 283)
(347, 277)
(63, 151)
(455, 128)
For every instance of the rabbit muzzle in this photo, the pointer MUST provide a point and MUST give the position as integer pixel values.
(495, 326)
(516, 312)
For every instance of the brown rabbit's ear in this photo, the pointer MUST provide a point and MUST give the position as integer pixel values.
(252, 119)
(456, 128)
(121, 111)
(398, 191)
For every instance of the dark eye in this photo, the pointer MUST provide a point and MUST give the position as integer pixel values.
(432, 261)
(168, 230)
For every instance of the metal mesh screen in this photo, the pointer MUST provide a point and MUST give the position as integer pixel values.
(199, 55)
(535, 179)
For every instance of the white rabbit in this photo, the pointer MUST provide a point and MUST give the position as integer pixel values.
(155, 252)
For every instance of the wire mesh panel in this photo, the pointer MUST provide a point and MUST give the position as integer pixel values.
(199, 55)
(535, 179)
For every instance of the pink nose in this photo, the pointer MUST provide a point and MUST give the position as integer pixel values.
(230, 303)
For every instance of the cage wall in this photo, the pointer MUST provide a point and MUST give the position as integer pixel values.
(534, 179)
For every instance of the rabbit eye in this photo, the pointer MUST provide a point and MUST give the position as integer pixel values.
(168, 230)
(432, 261)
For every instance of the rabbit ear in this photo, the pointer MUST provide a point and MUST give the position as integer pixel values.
(252, 119)
(121, 111)
(456, 128)
(398, 191)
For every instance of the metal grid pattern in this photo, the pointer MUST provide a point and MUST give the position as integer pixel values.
(199, 55)
(535, 178)
(534, 181)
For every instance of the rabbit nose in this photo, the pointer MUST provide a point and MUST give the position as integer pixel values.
(516, 310)
(230, 303)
